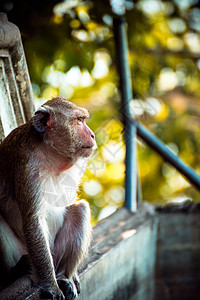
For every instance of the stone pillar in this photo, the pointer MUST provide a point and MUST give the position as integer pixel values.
(16, 96)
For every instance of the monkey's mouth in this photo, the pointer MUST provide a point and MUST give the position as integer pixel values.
(87, 150)
(87, 147)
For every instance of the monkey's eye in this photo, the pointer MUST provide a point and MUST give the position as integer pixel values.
(80, 119)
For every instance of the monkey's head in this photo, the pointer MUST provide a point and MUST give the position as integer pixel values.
(61, 124)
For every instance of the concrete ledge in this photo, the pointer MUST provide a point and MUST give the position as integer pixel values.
(120, 264)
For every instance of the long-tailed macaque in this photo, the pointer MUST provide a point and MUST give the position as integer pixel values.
(41, 163)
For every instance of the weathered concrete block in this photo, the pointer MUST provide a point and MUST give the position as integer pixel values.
(124, 268)
(178, 259)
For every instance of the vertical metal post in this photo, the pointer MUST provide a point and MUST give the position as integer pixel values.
(119, 25)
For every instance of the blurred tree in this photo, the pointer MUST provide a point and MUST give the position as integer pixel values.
(70, 51)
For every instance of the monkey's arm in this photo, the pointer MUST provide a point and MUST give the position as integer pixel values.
(28, 198)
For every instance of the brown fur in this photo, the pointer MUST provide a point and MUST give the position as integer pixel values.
(55, 238)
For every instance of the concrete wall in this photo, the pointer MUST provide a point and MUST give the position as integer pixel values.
(124, 266)
(178, 253)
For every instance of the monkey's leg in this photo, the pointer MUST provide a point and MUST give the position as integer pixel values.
(23, 267)
(72, 241)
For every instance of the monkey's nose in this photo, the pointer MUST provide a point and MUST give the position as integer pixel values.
(93, 136)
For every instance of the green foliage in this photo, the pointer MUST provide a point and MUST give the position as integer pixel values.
(70, 51)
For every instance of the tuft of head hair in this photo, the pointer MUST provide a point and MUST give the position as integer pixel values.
(59, 102)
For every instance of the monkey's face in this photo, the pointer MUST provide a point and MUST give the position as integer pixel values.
(64, 130)
(82, 136)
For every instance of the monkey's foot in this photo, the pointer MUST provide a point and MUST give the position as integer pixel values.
(48, 294)
(68, 289)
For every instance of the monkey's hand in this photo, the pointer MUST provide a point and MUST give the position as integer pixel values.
(77, 283)
(55, 294)
(68, 288)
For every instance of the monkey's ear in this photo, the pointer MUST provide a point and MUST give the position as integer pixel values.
(42, 119)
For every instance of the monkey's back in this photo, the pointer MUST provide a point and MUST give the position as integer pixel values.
(15, 151)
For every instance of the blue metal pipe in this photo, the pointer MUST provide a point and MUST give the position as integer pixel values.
(167, 154)
(119, 25)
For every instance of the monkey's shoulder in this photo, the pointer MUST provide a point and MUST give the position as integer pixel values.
(21, 137)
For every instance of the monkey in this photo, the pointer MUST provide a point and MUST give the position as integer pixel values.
(41, 164)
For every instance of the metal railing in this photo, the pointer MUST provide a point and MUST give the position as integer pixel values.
(133, 128)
